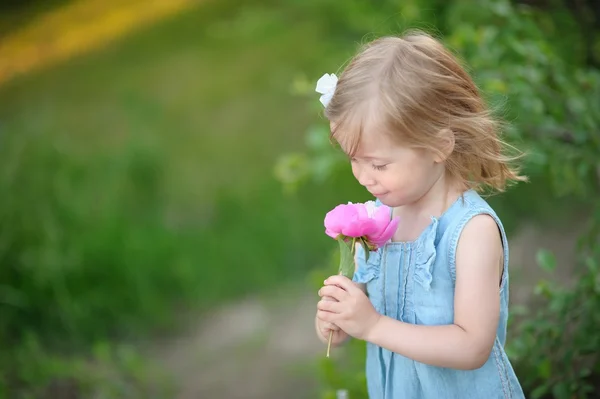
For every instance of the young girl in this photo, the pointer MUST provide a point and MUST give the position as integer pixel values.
(432, 304)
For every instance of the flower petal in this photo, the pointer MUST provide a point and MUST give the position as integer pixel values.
(371, 207)
(361, 210)
(332, 234)
(382, 213)
(384, 236)
(359, 227)
(382, 217)
(338, 217)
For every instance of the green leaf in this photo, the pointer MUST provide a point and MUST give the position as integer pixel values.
(585, 372)
(346, 259)
(539, 391)
(542, 288)
(545, 369)
(546, 260)
(591, 264)
(366, 248)
(561, 391)
(519, 310)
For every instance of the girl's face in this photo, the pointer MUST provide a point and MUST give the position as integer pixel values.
(397, 175)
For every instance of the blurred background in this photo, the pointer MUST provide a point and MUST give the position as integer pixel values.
(165, 169)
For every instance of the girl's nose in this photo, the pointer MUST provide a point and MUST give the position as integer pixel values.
(363, 176)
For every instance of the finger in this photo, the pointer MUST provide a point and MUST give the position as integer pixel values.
(325, 296)
(341, 281)
(326, 316)
(334, 292)
(326, 326)
(330, 306)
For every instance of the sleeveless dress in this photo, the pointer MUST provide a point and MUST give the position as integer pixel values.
(414, 282)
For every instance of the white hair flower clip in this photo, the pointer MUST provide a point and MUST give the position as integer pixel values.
(326, 86)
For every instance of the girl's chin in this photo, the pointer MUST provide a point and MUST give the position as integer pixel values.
(385, 199)
(390, 200)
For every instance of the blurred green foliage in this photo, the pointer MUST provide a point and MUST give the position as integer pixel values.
(137, 182)
(538, 68)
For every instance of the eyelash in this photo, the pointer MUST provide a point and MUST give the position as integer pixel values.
(375, 167)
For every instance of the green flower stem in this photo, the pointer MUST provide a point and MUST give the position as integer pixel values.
(346, 267)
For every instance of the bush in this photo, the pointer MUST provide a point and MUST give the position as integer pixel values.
(542, 81)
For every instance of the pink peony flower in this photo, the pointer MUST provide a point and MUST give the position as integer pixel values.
(373, 224)
(365, 224)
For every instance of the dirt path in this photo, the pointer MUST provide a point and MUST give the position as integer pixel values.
(253, 349)
(250, 349)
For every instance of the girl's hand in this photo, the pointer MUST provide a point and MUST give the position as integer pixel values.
(352, 311)
(324, 326)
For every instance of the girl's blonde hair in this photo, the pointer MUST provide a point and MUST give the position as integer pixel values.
(419, 94)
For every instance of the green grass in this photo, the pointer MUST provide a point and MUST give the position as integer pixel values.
(138, 179)
(140, 176)
(15, 13)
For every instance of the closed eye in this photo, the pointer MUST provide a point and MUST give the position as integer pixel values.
(379, 167)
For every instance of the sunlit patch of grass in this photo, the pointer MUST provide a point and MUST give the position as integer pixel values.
(76, 27)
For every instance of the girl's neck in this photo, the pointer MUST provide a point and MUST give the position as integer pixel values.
(417, 215)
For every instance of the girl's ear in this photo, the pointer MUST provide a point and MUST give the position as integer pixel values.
(447, 145)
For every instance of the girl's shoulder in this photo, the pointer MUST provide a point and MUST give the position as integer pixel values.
(468, 205)
(453, 223)
(464, 209)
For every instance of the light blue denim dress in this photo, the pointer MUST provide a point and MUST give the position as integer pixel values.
(414, 282)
